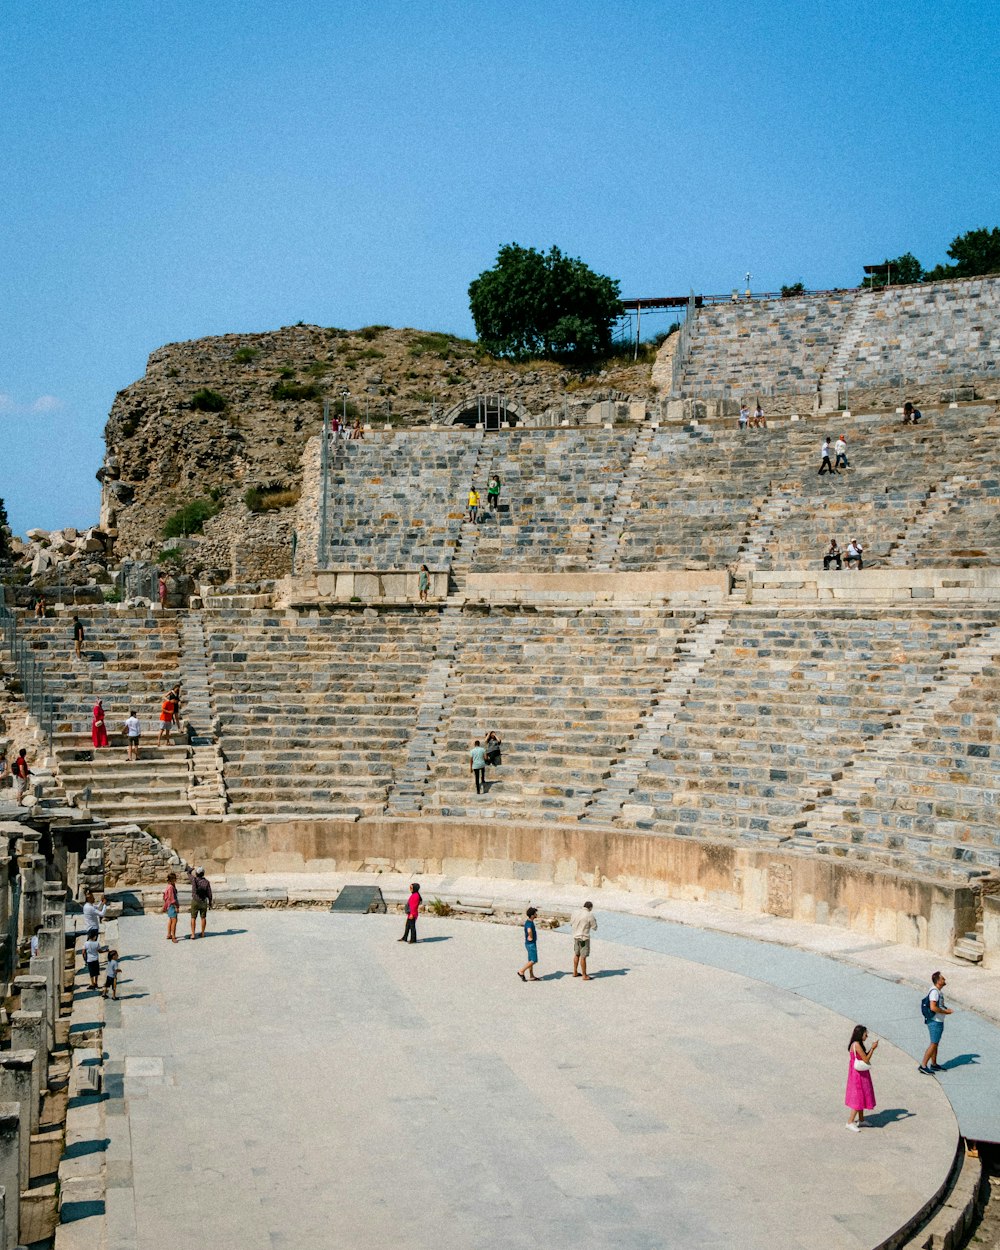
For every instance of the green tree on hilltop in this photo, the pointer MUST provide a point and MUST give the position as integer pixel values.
(535, 303)
(904, 269)
(975, 253)
(4, 530)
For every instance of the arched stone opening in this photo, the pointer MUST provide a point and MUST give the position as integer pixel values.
(493, 411)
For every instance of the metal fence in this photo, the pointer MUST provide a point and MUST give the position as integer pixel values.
(39, 700)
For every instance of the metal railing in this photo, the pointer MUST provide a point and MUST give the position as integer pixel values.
(41, 703)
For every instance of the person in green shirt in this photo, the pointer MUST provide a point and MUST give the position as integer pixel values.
(493, 493)
(477, 757)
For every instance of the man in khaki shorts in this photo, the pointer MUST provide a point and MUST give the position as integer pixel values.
(583, 924)
(201, 899)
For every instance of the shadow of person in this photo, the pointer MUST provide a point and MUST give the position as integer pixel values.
(959, 1061)
(554, 976)
(610, 972)
(888, 1115)
(440, 937)
(214, 933)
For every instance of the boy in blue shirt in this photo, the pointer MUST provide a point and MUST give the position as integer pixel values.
(111, 976)
(531, 946)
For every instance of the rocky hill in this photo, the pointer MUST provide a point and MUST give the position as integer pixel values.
(216, 418)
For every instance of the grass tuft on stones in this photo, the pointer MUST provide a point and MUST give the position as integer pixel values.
(191, 518)
(270, 499)
(206, 400)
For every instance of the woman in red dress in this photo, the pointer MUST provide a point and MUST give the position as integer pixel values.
(98, 732)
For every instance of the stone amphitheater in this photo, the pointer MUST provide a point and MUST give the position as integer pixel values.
(698, 722)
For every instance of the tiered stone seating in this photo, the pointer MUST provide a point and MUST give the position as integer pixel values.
(128, 661)
(397, 500)
(693, 501)
(558, 490)
(764, 345)
(564, 689)
(925, 798)
(707, 497)
(315, 713)
(922, 333)
(157, 786)
(919, 334)
(777, 713)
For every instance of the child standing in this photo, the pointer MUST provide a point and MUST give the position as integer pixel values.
(92, 957)
(111, 976)
(170, 906)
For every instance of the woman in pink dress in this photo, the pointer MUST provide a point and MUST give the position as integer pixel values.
(98, 732)
(860, 1095)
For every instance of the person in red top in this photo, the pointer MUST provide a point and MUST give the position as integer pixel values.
(98, 729)
(171, 905)
(412, 911)
(168, 710)
(21, 773)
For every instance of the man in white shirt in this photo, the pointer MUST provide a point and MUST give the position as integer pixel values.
(583, 924)
(935, 1024)
(133, 732)
(93, 913)
(855, 554)
(826, 464)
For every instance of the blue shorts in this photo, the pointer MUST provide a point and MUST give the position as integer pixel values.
(172, 911)
(935, 1028)
(532, 949)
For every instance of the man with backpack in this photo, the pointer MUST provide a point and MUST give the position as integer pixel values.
(934, 1011)
(201, 899)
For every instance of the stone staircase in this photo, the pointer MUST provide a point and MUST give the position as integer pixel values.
(779, 709)
(838, 366)
(155, 787)
(564, 688)
(407, 794)
(910, 545)
(604, 543)
(207, 788)
(696, 648)
(920, 794)
(559, 488)
(970, 946)
(469, 535)
(197, 712)
(773, 509)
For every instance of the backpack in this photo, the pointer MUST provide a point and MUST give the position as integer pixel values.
(201, 888)
(926, 1009)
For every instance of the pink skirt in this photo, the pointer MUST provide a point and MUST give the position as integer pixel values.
(860, 1095)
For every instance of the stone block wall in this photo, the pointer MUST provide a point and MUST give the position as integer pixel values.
(931, 336)
(134, 857)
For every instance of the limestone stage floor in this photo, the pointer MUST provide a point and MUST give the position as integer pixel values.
(300, 1079)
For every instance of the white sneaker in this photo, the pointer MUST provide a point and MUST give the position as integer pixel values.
(852, 1127)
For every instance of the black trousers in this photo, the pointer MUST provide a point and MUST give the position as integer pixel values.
(410, 932)
(826, 466)
(828, 560)
(480, 775)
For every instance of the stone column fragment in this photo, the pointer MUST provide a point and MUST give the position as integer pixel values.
(10, 1170)
(17, 1080)
(27, 1032)
(34, 994)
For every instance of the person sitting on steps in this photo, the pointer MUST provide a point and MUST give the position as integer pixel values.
(855, 552)
(833, 556)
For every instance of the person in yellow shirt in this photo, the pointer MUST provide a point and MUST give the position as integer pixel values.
(473, 505)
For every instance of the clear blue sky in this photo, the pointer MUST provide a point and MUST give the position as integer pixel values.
(182, 168)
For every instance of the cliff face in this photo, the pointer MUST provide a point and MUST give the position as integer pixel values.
(164, 451)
